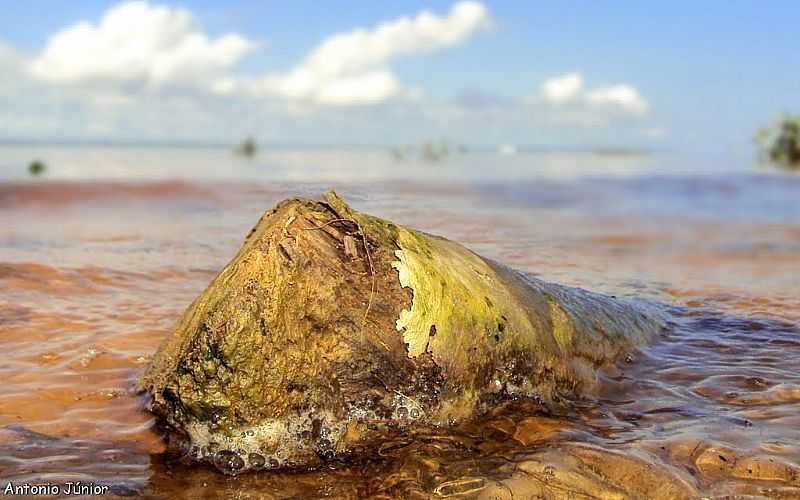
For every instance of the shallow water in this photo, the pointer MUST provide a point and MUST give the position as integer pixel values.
(99, 260)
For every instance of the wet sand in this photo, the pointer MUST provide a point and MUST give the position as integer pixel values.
(94, 274)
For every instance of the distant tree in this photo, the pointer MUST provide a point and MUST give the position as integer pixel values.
(36, 168)
(247, 148)
(429, 151)
(780, 143)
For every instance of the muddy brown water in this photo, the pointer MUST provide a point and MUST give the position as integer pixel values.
(94, 274)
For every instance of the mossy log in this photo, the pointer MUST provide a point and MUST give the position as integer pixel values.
(331, 327)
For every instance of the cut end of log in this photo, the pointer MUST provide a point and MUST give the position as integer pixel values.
(331, 329)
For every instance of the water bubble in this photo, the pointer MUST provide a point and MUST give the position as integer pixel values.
(228, 461)
(415, 413)
(273, 463)
(256, 461)
(324, 449)
(402, 412)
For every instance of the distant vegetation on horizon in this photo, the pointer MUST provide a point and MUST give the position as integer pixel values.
(780, 143)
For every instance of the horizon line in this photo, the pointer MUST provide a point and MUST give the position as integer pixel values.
(201, 144)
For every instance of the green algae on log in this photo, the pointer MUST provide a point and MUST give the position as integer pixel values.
(331, 328)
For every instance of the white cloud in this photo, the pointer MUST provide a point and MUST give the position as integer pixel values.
(367, 88)
(654, 132)
(144, 71)
(136, 42)
(623, 96)
(351, 68)
(9, 59)
(569, 89)
(10, 63)
(562, 89)
(360, 49)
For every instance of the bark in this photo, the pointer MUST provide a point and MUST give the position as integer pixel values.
(331, 328)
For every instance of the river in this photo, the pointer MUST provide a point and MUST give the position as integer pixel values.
(100, 256)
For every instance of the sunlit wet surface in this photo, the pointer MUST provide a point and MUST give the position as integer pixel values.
(93, 274)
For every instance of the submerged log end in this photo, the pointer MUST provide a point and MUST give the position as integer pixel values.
(331, 328)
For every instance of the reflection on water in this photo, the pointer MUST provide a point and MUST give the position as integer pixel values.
(94, 274)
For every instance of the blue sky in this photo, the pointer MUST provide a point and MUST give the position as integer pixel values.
(682, 75)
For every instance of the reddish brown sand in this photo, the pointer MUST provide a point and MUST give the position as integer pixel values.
(92, 277)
